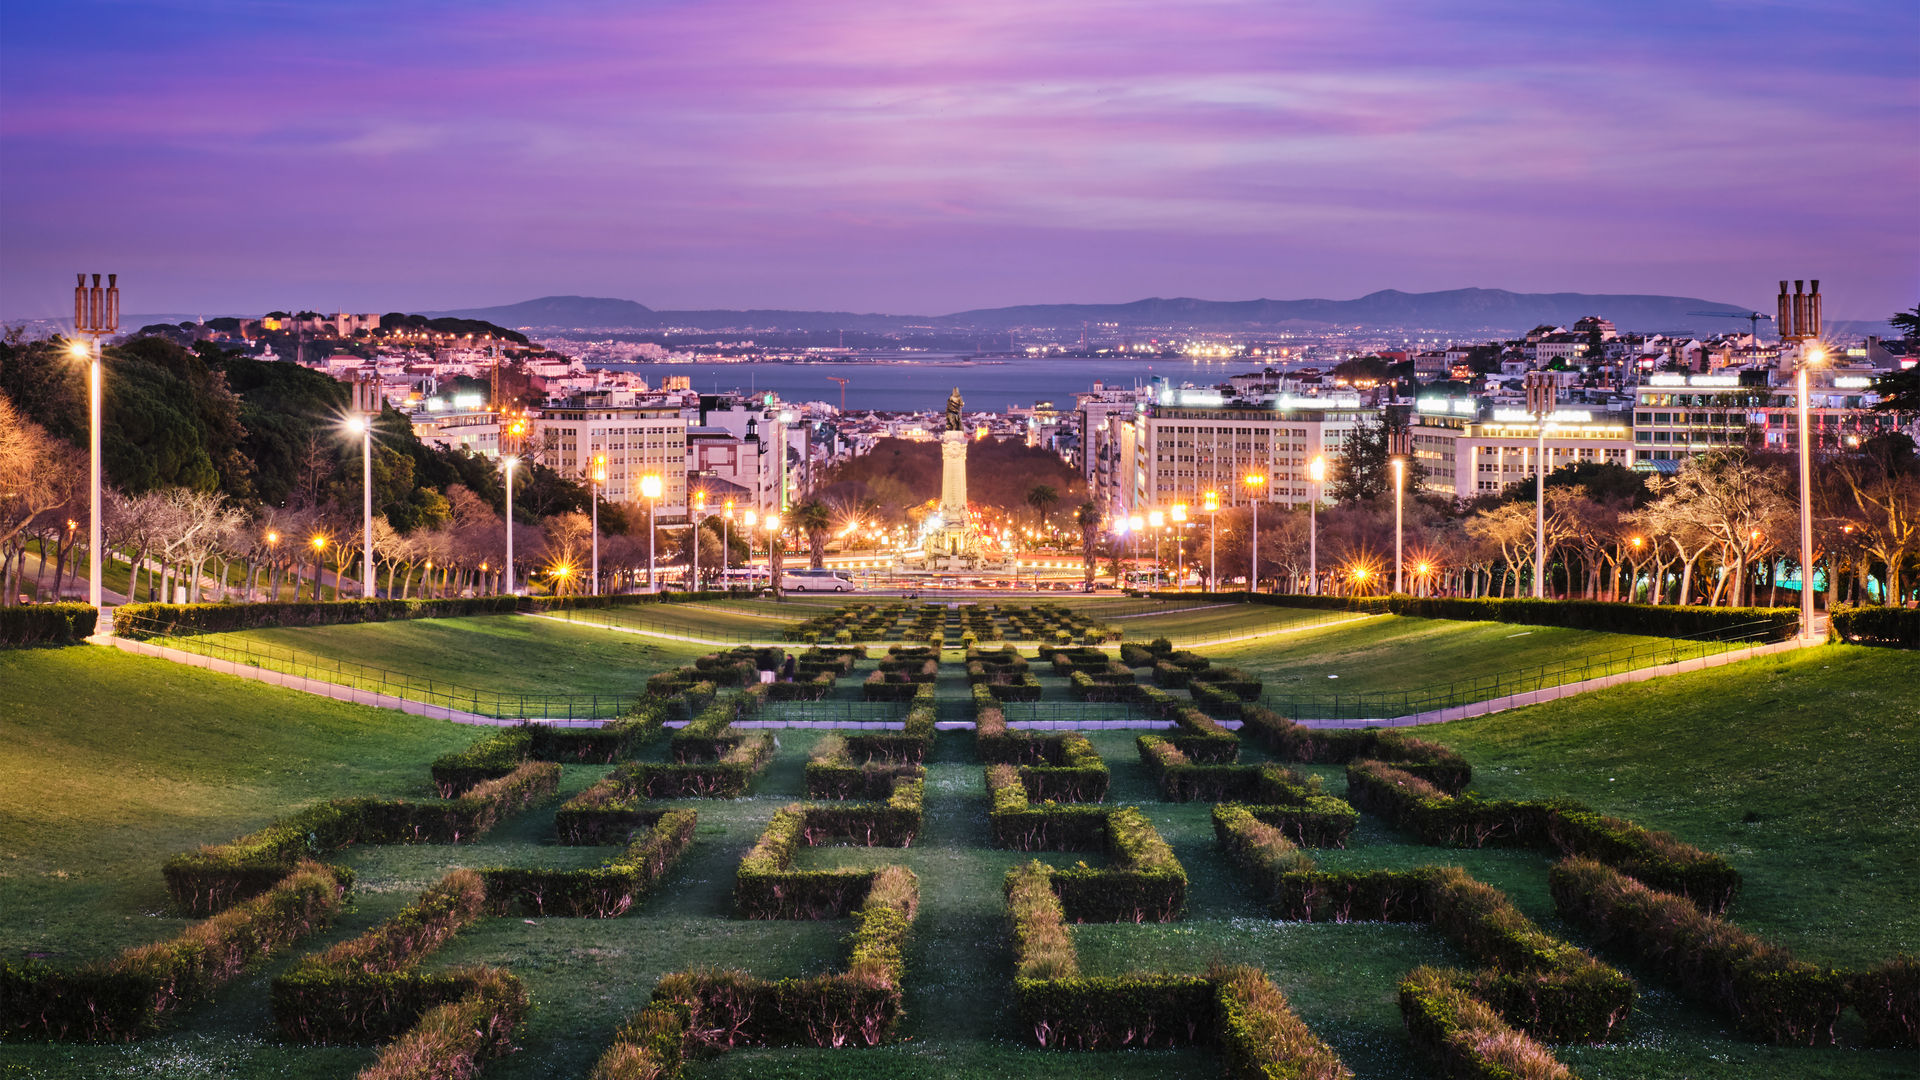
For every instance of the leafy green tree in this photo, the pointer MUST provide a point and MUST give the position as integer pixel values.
(1362, 469)
(813, 518)
(1040, 497)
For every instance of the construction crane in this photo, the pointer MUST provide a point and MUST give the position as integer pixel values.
(1752, 317)
(843, 390)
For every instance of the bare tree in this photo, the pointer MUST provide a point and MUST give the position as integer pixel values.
(1882, 488)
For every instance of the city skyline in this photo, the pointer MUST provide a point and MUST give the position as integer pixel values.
(952, 156)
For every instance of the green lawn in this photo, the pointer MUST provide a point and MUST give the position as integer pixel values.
(504, 654)
(1185, 623)
(1829, 864)
(1395, 654)
(110, 762)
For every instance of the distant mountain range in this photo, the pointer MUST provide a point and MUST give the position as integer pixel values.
(1454, 310)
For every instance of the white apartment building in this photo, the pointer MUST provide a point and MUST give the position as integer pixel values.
(1678, 416)
(1189, 441)
(637, 440)
(1465, 450)
(1101, 415)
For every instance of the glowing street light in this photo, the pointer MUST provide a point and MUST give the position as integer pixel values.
(273, 559)
(1399, 516)
(511, 463)
(1212, 507)
(726, 540)
(1179, 516)
(319, 568)
(96, 312)
(1256, 484)
(1317, 472)
(599, 477)
(1814, 355)
(650, 488)
(699, 511)
(359, 424)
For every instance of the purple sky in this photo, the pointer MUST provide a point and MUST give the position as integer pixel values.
(932, 156)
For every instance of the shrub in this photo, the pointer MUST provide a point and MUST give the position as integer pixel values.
(831, 773)
(726, 777)
(208, 880)
(651, 1046)
(128, 997)
(906, 746)
(453, 1039)
(1770, 995)
(1465, 1037)
(1259, 848)
(1146, 883)
(602, 892)
(1436, 764)
(141, 621)
(1888, 999)
(1864, 624)
(1071, 771)
(1261, 1036)
(1019, 824)
(857, 1007)
(1656, 859)
(46, 624)
(362, 990)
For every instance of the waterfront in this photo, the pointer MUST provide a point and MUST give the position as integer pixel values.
(921, 384)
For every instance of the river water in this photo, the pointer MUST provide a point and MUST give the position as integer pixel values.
(922, 383)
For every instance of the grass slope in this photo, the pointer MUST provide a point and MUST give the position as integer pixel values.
(109, 763)
(493, 653)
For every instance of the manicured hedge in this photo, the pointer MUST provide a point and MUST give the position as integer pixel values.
(1888, 999)
(46, 624)
(504, 750)
(710, 734)
(1070, 771)
(1658, 620)
(1466, 1038)
(910, 744)
(575, 603)
(832, 773)
(1655, 858)
(1436, 764)
(1872, 624)
(1017, 823)
(141, 621)
(651, 1046)
(1770, 995)
(453, 1040)
(365, 989)
(1144, 884)
(208, 880)
(128, 997)
(725, 777)
(1261, 1036)
(602, 892)
(767, 887)
(857, 1007)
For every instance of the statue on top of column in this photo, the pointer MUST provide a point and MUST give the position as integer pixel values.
(953, 410)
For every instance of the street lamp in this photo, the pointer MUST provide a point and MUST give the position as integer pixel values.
(273, 560)
(1157, 521)
(511, 463)
(599, 476)
(1317, 471)
(1399, 516)
(1179, 516)
(1135, 523)
(1212, 507)
(319, 568)
(650, 488)
(361, 426)
(1420, 573)
(1540, 393)
(96, 311)
(699, 511)
(726, 540)
(1257, 482)
(1814, 355)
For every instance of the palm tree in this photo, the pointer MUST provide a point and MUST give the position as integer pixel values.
(813, 518)
(1041, 496)
(1087, 517)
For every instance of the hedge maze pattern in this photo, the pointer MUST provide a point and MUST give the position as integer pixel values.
(1635, 897)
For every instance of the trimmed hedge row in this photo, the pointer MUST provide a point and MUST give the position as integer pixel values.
(724, 777)
(128, 997)
(365, 989)
(497, 754)
(1655, 858)
(1070, 771)
(1201, 739)
(46, 624)
(832, 773)
(208, 880)
(710, 733)
(651, 1046)
(602, 892)
(454, 1039)
(1872, 624)
(767, 886)
(1769, 995)
(1238, 1008)
(571, 603)
(1017, 823)
(1466, 1037)
(1430, 761)
(857, 1007)
(1657, 620)
(908, 745)
(142, 621)
(1282, 798)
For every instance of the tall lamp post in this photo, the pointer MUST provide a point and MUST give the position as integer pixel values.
(749, 520)
(511, 463)
(1213, 507)
(599, 477)
(96, 312)
(650, 488)
(726, 540)
(1399, 516)
(1256, 482)
(1813, 356)
(1157, 521)
(1135, 523)
(1179, 516)
(699, 511)
(1317, 471)
(362, 426)
(1540, 403)
(273, 561)
(320, 568)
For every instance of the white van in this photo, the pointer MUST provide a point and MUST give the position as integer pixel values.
(816, 581)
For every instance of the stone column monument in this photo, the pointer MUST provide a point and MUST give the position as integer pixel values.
(955, 538)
